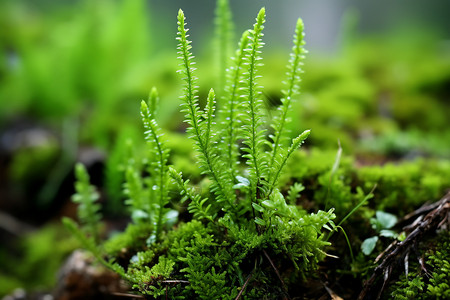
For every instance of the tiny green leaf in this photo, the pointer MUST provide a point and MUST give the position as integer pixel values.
(388, 233)
(369, 244)
(244, 181)
(386, 220)
(257, 207)
(268, 204)
(260, 221)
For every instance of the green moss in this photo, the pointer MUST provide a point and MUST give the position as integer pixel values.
(134, 237)
(434, 284)
(405, 185)
(36, 260)
(241, 225)
(244, 206)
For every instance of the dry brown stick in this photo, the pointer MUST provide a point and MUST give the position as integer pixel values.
(276, 272)
(127, 295)
(432, 221)
(175, 281)
(330, 292)
(244, 286)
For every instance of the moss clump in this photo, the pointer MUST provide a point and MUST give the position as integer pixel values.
(431, 283)
(241, 235)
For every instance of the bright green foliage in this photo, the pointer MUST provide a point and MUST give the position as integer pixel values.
(147, 197)
(137, 195)
(435, 283)
(134, 237)
(90, 245)
(196, 205)
(282, 158)
(439, 286)
(200, 129)
(201, 268)
(410, 183)
(115, 169)
(382, 224)
(148, 280)
(292, 85)
(231, 106)
(241, 228)
(294, 193)
(260, 186)
(398, 185)
(158, 168)
(253, 130)
(410, 289)
(86, 197)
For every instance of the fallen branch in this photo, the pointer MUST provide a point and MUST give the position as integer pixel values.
(283, 285)
(437, 217)
(244, 286)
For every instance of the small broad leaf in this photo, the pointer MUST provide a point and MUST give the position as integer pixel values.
(139, 214)
(257, 207)
(238, 186)
(386, 220)
(151, 240)
(242, 180)
(369, 244)
(268, 204)
(388, 233)
(402, 236)
(260, 221)
(171, 217)
(327, 227)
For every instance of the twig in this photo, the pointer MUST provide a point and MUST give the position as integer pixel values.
(175, 281)
(127, 295)
(244, 286)
(435, 219)
(276, 272)
(330, 292)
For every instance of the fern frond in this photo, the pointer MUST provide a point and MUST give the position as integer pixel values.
(230, 113)
(209, 117)
(86, 196)
(153, 136)
(280, 162)
(210, 165)
(87, 243)
(294, 192)
(134, 189)
(196, 206)
(136, 195)
(292, 85)
(90, 245)
(253, 127)
(119, 158)
(190, 95)
(153, 100)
